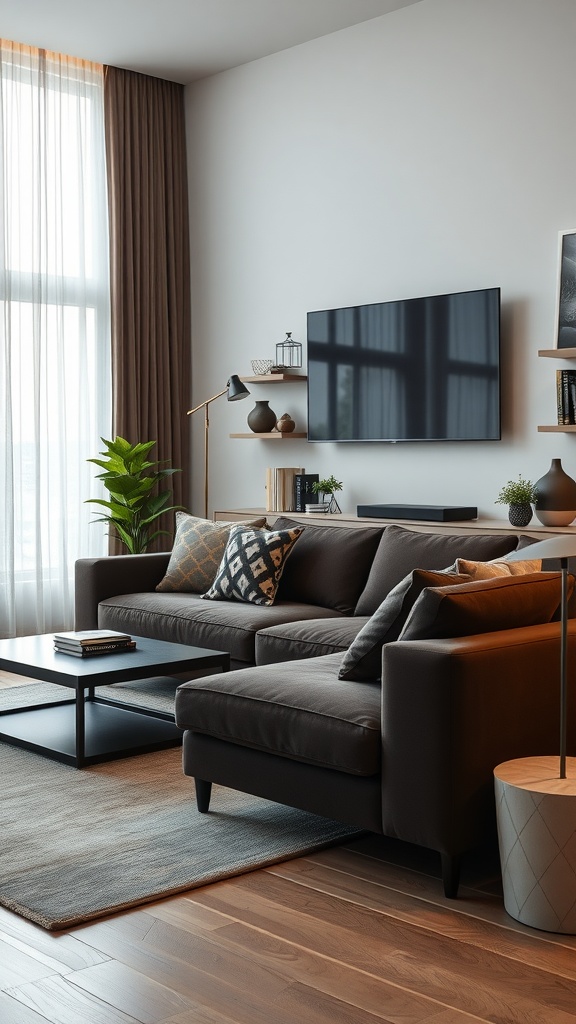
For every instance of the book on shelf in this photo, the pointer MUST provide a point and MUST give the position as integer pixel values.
(280, 489)
(89, 650)
(566, 396)
(303, 493)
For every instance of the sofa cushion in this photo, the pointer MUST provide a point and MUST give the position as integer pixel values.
(484, 606)
(329, 565)
(298, 710)
(363, 660)
(197, 552)
(252, 565)
(187, 619)
(312, 638)
(497, 567)
(401, 550)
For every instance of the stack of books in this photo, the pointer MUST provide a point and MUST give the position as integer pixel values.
(280, 489)
(84, 643)
(566, 396)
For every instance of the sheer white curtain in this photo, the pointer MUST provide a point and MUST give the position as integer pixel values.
(54, 330)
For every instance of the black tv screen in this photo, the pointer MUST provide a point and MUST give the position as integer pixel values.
(423, 369)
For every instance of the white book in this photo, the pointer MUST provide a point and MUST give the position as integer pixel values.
(84, 637)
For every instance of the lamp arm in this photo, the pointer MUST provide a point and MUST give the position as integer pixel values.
(207, 403)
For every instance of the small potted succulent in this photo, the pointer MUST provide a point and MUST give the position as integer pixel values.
(325, 489)
(519, 495)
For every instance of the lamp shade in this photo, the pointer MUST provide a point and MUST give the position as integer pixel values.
(236, 389)
(561, 546)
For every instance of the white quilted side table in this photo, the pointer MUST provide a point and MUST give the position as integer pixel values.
(536, 812)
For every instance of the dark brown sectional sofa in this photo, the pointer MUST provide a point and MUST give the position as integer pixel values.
(409, 755)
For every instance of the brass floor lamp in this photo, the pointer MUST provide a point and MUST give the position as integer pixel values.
(235, 390)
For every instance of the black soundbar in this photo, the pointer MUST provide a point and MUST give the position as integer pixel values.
(432, 513)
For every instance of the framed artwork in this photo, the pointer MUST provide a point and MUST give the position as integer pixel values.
(566, 300)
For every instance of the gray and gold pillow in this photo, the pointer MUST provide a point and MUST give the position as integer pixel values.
(252, 565)
(198, 548)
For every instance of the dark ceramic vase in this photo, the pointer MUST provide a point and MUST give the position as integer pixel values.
(262, 419)
(520, 513)
(555, 492)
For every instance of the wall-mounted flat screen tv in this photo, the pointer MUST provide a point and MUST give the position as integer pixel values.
(423, 369)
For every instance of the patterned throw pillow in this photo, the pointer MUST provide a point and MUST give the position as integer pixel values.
(252, 565)
(197, 552)
(363, 659)
(497, 567)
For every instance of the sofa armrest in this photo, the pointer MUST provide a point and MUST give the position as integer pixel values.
(451, 711)
(99, 578)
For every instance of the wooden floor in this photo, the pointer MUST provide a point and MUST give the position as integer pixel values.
(358, 933)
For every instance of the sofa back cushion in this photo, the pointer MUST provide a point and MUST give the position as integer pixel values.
(400, 551)
(485, 606)
(329, 566)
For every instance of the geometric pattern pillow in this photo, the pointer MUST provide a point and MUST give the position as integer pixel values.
(197, 552)
(363, 659)
(496, 567)
(252, 564)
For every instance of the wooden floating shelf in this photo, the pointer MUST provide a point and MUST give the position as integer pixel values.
(566, 428)
(274, 435)
(274, 378)
(558, 353)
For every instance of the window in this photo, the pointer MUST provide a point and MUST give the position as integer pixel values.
(54, 329)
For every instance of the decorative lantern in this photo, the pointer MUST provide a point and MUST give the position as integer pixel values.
(289, 352)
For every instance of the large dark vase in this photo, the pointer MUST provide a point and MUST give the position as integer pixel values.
(262, 419)
(555, 503)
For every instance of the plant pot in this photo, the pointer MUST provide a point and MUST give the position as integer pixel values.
(555, 503)
(520, 514)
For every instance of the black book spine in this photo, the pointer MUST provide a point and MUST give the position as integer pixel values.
(572, 396)
(303, 493)
(565, 397)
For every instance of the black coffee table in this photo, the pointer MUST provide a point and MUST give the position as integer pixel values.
(88, 729)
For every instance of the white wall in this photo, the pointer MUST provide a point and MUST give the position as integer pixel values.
(427, 151)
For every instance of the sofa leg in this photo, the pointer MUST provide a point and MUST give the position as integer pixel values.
(203, 791)
(451, 875)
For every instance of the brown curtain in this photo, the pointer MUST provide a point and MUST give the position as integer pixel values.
(149, 269)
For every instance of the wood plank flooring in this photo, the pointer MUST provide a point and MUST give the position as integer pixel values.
(357, 933)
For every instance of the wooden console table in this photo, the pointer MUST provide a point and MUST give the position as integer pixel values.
(485, 525)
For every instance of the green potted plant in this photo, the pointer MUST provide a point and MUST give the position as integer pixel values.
(519, 495)
(326, 489)
(135, 504)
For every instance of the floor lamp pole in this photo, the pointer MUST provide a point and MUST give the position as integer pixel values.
(204, 405)
(206, 425)
(563, 666)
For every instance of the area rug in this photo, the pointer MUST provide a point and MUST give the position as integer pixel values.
(78, 845)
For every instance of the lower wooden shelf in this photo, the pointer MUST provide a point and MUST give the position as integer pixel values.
(564, 428)
(275, 435)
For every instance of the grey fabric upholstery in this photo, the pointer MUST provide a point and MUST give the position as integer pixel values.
(400, 551)
(328, 566)
(311, 638)
(185, 618)
(300, 711)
